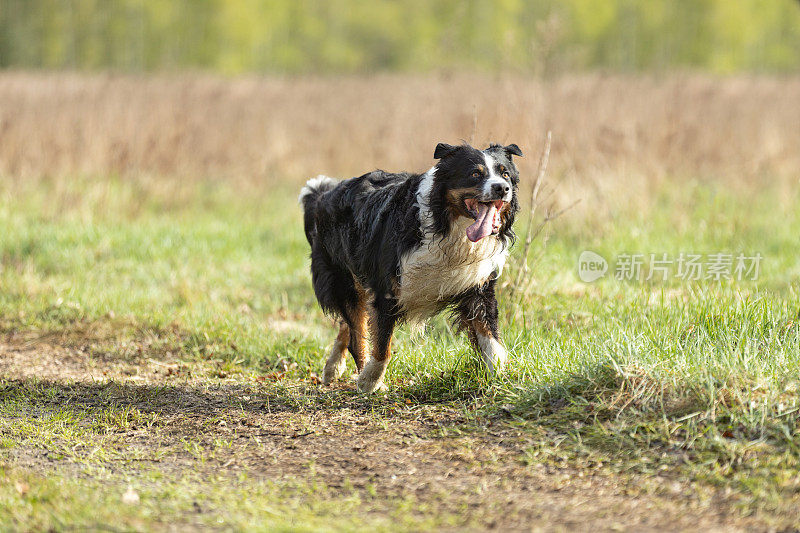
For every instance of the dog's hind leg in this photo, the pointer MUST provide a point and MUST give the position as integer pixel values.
(337, 362)
(385, 317)
(477, 314)
(352, 338)
(337, 295)
(359, 320)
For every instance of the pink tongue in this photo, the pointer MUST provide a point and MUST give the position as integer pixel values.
(483, 224)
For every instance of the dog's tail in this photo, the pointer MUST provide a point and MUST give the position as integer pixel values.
(309, 195)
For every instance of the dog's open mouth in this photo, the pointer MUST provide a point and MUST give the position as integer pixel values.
(487, 218)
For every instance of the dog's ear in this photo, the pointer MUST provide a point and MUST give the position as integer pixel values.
(512, 149)
(443, 149)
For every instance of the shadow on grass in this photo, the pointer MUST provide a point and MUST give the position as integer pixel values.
(209, 399)
(214, 398)
(606, 407)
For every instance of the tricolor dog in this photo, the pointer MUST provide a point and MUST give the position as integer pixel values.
(393, 247)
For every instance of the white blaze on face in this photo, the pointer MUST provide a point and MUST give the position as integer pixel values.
(494, 178)
(486, 208)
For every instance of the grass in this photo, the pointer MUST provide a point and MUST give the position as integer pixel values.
(695, 379)
(150, 501)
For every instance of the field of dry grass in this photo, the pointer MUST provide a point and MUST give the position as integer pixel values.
(605, 128)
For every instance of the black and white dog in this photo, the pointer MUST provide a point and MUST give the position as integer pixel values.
(387, 248)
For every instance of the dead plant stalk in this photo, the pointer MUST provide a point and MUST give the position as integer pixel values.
(523, 269)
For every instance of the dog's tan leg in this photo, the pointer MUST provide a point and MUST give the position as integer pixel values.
(337, 361)
(358, 333)
(371, 378)
(478, 313)
(486, 343)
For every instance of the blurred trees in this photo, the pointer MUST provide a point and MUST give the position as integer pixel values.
(367, 35)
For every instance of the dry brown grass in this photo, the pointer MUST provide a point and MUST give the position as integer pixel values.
(260, 129)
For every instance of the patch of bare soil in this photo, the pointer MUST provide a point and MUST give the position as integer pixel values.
(288, 430)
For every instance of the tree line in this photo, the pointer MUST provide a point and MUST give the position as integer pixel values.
(296, 36)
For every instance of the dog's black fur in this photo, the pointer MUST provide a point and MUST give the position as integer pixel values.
(361, 229)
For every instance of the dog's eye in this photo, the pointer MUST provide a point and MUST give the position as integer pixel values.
(476, 174)
(506, 175)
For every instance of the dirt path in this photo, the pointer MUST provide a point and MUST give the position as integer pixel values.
(284, 430)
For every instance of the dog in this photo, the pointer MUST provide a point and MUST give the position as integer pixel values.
(393, 247)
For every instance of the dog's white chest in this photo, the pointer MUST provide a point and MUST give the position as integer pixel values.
(442, 268)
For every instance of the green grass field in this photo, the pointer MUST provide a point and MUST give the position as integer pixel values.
(638, 383)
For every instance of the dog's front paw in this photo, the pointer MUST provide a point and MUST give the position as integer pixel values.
(494, 355)
(371, 378)
(500, 362)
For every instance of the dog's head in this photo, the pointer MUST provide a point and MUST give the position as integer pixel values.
(477, 184)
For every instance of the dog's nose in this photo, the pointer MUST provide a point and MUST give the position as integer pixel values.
(500, 189)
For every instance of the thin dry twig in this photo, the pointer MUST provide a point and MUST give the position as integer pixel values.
(548, 218)
(534, 202)
(521, 285)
